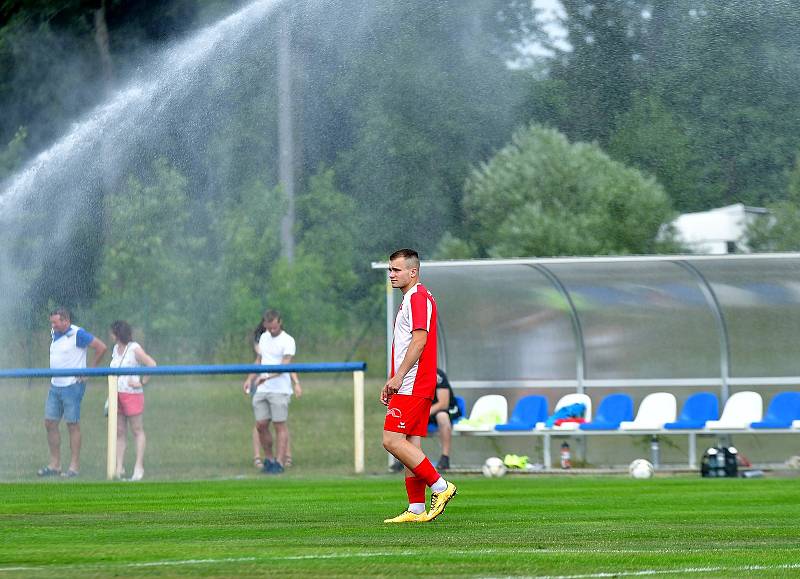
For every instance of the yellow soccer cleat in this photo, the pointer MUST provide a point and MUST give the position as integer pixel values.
(439, 501)
(408, 517)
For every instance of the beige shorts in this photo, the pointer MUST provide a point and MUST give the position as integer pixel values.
(271, 406)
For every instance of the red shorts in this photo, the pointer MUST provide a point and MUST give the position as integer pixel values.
(408, 415)
(130, 404)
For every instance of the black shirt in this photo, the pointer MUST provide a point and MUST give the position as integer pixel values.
(442, 382)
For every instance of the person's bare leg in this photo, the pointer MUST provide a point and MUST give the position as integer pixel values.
(256, 445)
(282, 439)
(265, 436)
(74, 445)
(445, 432)
(137, 426)
(122, 441)
(53, 443)
(407, 450)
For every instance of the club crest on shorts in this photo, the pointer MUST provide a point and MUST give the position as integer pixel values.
(394, 413)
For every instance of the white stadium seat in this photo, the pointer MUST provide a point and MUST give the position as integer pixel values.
(740, 411)
(488, 412)
(655, 411)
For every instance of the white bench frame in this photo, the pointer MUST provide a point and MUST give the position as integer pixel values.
(549, 434)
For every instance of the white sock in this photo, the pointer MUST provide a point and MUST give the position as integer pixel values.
(439, 486)
(416, 508)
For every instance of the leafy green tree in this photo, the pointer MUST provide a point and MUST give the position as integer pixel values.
(11, 157)
(716, 77)
(319, 293)
(780, 229)
(401, 115)
(150, 267)
(596, 79)
(740, 86)
(247, 250)
(652, 138)
(541, 195)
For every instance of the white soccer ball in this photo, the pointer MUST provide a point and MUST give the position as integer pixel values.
(494, 467)
(641, 468)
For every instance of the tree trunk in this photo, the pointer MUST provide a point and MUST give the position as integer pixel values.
(101, 39)
(285, 135)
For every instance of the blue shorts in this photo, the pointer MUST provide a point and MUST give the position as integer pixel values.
(64, 401)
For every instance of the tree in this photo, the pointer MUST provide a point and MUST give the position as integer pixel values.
(652, 138)
(780, 230)
(11, 157)
(247, 250)
(541, 195)
(150, 265)
(318, 293)
(597, 77)
(717, 77)
(401, 104)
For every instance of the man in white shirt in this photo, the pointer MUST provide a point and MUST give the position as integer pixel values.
(274, 390)
(68, 349)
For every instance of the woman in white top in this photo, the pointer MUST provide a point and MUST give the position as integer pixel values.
(130, 396)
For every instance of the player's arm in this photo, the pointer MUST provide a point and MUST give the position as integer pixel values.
(99, 348)
(419, 338)
(249, 379)
(144, 359)
(298, 391)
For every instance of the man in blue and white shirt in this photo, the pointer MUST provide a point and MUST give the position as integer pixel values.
(68, 349)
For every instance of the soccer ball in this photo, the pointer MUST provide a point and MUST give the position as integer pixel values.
(494, 467)
(641, 468)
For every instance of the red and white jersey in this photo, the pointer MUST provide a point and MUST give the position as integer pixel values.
(417, 312)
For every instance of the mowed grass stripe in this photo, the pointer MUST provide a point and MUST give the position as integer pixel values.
(618, 573)
(516, 526)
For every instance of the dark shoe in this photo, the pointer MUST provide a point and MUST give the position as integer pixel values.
(444, 463)
(277, 468)
(47, 471)
(268, 466)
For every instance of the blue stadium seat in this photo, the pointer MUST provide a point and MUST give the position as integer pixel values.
(613, 409)
(528, 411)
(698, 408)
(783, 410)
(462, 405)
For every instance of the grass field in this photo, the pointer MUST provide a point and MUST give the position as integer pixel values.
(197, 427)
(302, 526)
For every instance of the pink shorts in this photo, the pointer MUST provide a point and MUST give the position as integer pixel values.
(130, 404)
(408, 415)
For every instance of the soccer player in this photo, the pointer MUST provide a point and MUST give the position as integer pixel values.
(409, 392)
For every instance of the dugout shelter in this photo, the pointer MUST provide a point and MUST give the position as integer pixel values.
(597, 325)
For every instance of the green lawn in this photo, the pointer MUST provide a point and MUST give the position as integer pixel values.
(301, 526)
(197, 427)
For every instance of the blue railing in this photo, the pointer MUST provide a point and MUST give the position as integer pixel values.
(185, 370)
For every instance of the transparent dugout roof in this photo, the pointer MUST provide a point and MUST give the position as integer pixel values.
(693, 319)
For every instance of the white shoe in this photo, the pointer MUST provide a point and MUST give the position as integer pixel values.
(138, 474)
